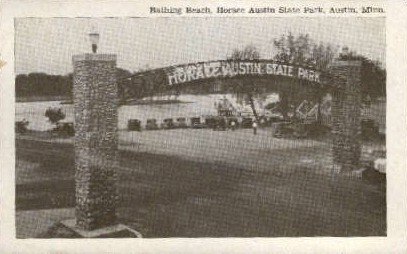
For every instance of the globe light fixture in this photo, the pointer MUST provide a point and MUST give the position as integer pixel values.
(94, 39)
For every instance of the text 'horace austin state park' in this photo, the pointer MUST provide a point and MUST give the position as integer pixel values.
(191, 72)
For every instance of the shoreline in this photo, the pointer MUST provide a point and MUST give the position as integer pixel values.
(151, 102)
(65, 100)
(42, 98)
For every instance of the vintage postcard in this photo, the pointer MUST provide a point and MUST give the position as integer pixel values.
(220, 127)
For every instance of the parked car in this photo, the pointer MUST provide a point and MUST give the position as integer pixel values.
(300, 130)
(232, 119)
(65, 129)
(210, 122)
(168, 123)
(152, 124)
(283, 129)
(197, 123)
(263, 121)
(220, 123)
(247, 122)
(134, 125)
(181, 122)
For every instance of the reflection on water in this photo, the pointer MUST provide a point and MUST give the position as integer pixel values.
(198, 105)
(34, 113)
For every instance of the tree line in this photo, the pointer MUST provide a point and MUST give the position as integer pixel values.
(38, 84)
(288, 49)
(303, 51)
(43, 85)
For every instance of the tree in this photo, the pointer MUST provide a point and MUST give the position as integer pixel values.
(143, 83)
(250, 52)
(41, 85)
(36, 85)
(373, 76)
(54, 115)
(123, 83)
(301, 50)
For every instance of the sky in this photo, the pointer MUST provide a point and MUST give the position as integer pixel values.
(48, 44)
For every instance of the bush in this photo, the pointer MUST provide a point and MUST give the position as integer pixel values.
(54, 115)
(21, 126)
(134, 125)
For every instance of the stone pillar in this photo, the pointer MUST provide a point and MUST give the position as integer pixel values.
(346, 115)
(96, 143)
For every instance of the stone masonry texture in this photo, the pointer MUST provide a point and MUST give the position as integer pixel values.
(346, 115)
(96, 143)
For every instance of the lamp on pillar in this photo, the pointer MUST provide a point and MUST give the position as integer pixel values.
(345, 52)
(94, 39)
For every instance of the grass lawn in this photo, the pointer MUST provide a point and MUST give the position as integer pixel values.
(164, 194)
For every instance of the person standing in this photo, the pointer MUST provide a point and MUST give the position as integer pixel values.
(254, 125)
(233, 125)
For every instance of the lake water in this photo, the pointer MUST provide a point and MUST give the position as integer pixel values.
(198, 105)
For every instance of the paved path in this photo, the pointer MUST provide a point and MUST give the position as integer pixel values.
(238, 148)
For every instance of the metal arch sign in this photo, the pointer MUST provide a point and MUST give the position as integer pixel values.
(222, 69)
